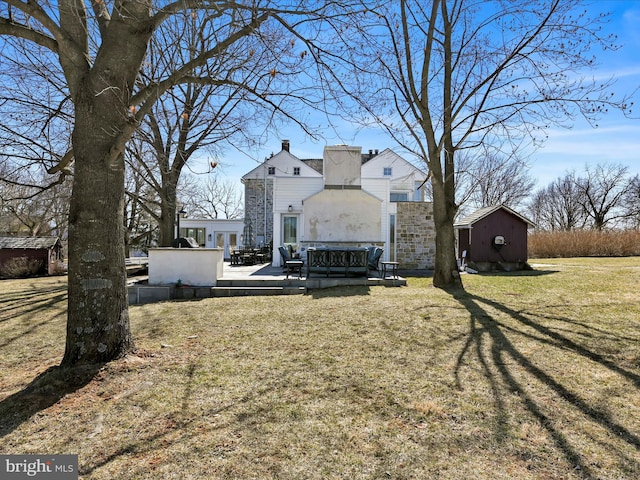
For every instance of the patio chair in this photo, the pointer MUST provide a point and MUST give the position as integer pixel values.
(290, 264)
(374, 258)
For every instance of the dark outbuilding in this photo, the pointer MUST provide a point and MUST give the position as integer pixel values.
(23, 256)
(493, 237)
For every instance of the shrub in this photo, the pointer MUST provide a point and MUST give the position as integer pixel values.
(584, 243)
(21, 267)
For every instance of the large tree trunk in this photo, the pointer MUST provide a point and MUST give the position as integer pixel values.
(445, 273)
(168, 210)
(98, 315)
(98, 318)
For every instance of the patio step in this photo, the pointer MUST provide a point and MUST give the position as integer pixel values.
(253, 283)
(240, 291)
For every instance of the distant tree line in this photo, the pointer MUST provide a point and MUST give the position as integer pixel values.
(603, 197)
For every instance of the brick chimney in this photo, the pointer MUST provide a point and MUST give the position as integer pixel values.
(285, 145)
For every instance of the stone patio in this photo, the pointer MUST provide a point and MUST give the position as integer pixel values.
(243, 280)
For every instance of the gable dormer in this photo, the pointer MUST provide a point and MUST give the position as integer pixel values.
(282, 164)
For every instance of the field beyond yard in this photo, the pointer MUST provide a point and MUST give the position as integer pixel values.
(529, 375)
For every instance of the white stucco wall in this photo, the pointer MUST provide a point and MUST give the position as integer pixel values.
(192, 266)
(343, 216)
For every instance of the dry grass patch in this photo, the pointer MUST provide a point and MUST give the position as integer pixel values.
(531, 375)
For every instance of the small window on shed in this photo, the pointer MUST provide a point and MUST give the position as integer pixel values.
(387, 171)
(296, 170)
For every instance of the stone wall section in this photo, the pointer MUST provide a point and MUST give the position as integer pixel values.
(415, 235)
(254, 204)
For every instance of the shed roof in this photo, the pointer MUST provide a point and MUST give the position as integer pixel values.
(29, 243)
(469, 220)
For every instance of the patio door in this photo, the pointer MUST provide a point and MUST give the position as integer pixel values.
(290, 231)
(228, 241)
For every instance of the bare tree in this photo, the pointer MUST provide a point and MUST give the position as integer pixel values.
(37, 117)
(214, 198)
(198, 116)
(30, 209)
(559, 206)
(631, 202)
(492, 179)
(452, 75)
(602, 191)
(98, 55)
(501, 182)
(141, 204)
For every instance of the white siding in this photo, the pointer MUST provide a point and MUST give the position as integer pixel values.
(291, 191)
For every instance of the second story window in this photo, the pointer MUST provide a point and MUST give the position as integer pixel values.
(272, 170)
(387, 172)
(296, 170)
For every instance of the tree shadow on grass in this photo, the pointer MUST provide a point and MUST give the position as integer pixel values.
(489, 339)
(44, 391)
(518, 273)
(178, 425)
(37, 301)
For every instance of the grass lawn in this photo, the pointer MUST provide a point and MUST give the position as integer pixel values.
(529, 375)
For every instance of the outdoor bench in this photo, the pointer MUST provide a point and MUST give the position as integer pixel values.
(337, 261)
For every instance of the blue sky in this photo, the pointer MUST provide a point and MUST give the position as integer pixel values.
(616, 140)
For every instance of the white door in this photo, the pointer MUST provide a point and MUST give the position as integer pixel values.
(228, 241)
(290, 231)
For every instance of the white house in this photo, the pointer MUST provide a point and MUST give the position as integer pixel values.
(344, 199)
(214, 233)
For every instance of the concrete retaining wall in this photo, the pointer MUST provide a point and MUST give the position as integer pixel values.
(190, 266)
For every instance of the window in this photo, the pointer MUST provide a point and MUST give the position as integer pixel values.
(290, 229)
(387, 171)
(272, 170)
(198, 233)
(399, 197)
(296, 170)
(392, 237)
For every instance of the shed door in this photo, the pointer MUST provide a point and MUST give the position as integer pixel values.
(464, 242)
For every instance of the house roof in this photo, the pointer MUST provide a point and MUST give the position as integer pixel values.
(469, 220)
(317, 164)
(388, 158)
(29, 243)
(280, 159)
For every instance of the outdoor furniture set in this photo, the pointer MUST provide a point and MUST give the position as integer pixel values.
(342, 261)
(250, 256)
